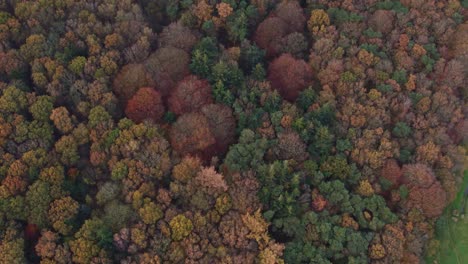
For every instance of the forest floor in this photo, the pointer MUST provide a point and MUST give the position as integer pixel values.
(452, 230)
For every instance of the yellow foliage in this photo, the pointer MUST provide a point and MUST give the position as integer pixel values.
(365, 188)
(318, 21)
(377, 251)
(348, 221)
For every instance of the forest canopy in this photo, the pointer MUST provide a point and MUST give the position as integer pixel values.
(230, 131)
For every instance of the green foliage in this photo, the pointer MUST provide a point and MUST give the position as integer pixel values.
(13, 100)
(37, 203)
(323, 142)
(237, 26)
(119, 171)
(374, 49)
(336, 167)
(384, 88)
(77, 64)
(251, 56)
(42, 108)
(169, 117)
(464, 3)
(403, 190)
(396, 6)
(405, 155)
(280, 188)
(348, 77)
(400, 76)
(204, 55)
(340, 16)
(401, 130)
(372, 34)
(258, 72)
(98, 115)
(306, 98)
(4, 16)
(247, 153)
(415, 97)
(14, 208)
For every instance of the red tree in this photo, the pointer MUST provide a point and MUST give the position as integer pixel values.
(425, 191)
(190, 95)
(191, 134)
(145, 104)
(269, 33)
(392, 171)
(289, 76)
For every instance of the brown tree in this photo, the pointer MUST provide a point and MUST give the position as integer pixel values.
(291, 146)
(190, 95)
(191, 134)
(145, 104)
(178, 36)
(382, 20)
(167, 66)
(269, 33)
(291, 13)
(130, 78)
(289, 76)
(222, 125)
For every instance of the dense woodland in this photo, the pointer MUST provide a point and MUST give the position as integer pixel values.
(233, 131)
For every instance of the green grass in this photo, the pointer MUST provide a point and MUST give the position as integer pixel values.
(453, 235)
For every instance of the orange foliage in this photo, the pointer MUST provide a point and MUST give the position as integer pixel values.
(145, 104)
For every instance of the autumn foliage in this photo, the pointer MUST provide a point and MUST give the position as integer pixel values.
(190, 95)
(145, 104)
(289, 76)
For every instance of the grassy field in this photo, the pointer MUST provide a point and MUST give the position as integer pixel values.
(452, 230)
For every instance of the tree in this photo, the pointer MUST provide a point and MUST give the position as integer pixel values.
(191, 134)
(131, 78)
(318, 21)
(90, 240)
(294, 44)
(391, 171)
(190, 95)
(289, 76)
(11, 247)
(382, 21)
(458, 43)
(167, 66)
(291, 13)
(38, 200)
(13, 100)
(211, 180)
(269, 32)
(61, 212)
(61, 118)
(181, 227)
(425, 191)
(150, 213)
(222, 126)
(178, 36)
(291, 146)
(145, 104)
(41, 108)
